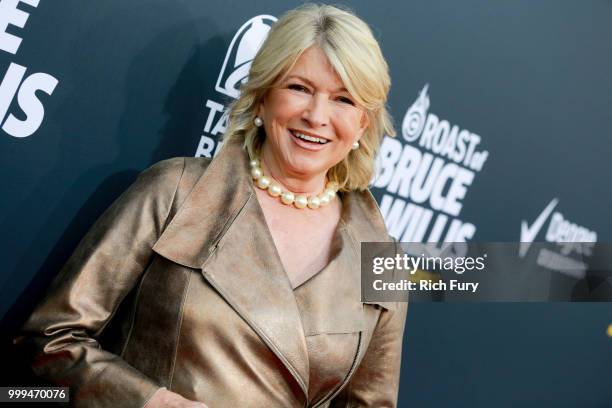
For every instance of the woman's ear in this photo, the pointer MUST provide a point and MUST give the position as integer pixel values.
(363, 125)
(261, 110)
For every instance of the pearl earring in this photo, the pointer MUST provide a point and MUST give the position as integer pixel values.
(355, 145)
(257, 121)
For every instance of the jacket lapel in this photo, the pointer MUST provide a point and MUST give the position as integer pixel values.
(237, 256)
(246, 269)
(210, 208)
(364, 223)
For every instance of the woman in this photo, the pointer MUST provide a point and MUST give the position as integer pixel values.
(238, 279)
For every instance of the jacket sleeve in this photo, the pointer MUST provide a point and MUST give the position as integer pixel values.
(376, 381)
(61, 335)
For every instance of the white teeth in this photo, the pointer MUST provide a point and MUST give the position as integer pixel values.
(310, 138)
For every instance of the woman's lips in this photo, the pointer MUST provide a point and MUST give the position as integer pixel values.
(312, 146)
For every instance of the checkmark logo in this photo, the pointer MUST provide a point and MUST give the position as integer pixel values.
(528, 233)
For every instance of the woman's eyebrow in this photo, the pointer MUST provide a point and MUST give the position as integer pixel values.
(309, 82)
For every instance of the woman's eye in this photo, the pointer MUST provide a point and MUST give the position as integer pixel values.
(344, 99)
(297, 87)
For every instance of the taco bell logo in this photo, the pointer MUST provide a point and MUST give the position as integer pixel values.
(240, 54)
(234, 72)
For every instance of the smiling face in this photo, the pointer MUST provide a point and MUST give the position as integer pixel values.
(310, 119)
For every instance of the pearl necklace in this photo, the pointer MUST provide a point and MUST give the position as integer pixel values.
(287, 197)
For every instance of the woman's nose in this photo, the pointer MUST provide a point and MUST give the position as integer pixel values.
(317, 112)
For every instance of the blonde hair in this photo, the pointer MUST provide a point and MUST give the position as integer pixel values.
(352, 50)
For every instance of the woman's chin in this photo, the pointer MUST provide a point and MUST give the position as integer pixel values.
(307, 169)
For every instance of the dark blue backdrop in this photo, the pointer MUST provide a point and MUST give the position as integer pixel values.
(136, 84)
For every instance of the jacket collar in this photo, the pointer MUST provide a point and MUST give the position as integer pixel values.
(220, 229)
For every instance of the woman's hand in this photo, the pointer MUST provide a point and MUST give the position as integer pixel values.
(168, 399)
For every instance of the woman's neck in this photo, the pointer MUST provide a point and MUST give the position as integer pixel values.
(297, 184)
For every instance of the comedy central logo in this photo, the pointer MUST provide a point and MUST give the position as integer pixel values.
(573, 242)
(234, 72)
(426, 177)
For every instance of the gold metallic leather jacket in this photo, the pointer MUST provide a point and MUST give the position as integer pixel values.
(179, 285)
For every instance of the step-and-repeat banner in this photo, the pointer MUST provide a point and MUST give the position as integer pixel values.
(503, 119)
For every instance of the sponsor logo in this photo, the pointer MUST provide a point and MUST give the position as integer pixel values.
(425, 177)
(528, 233)
(573, 243)
(234, 72)
(15, 83)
